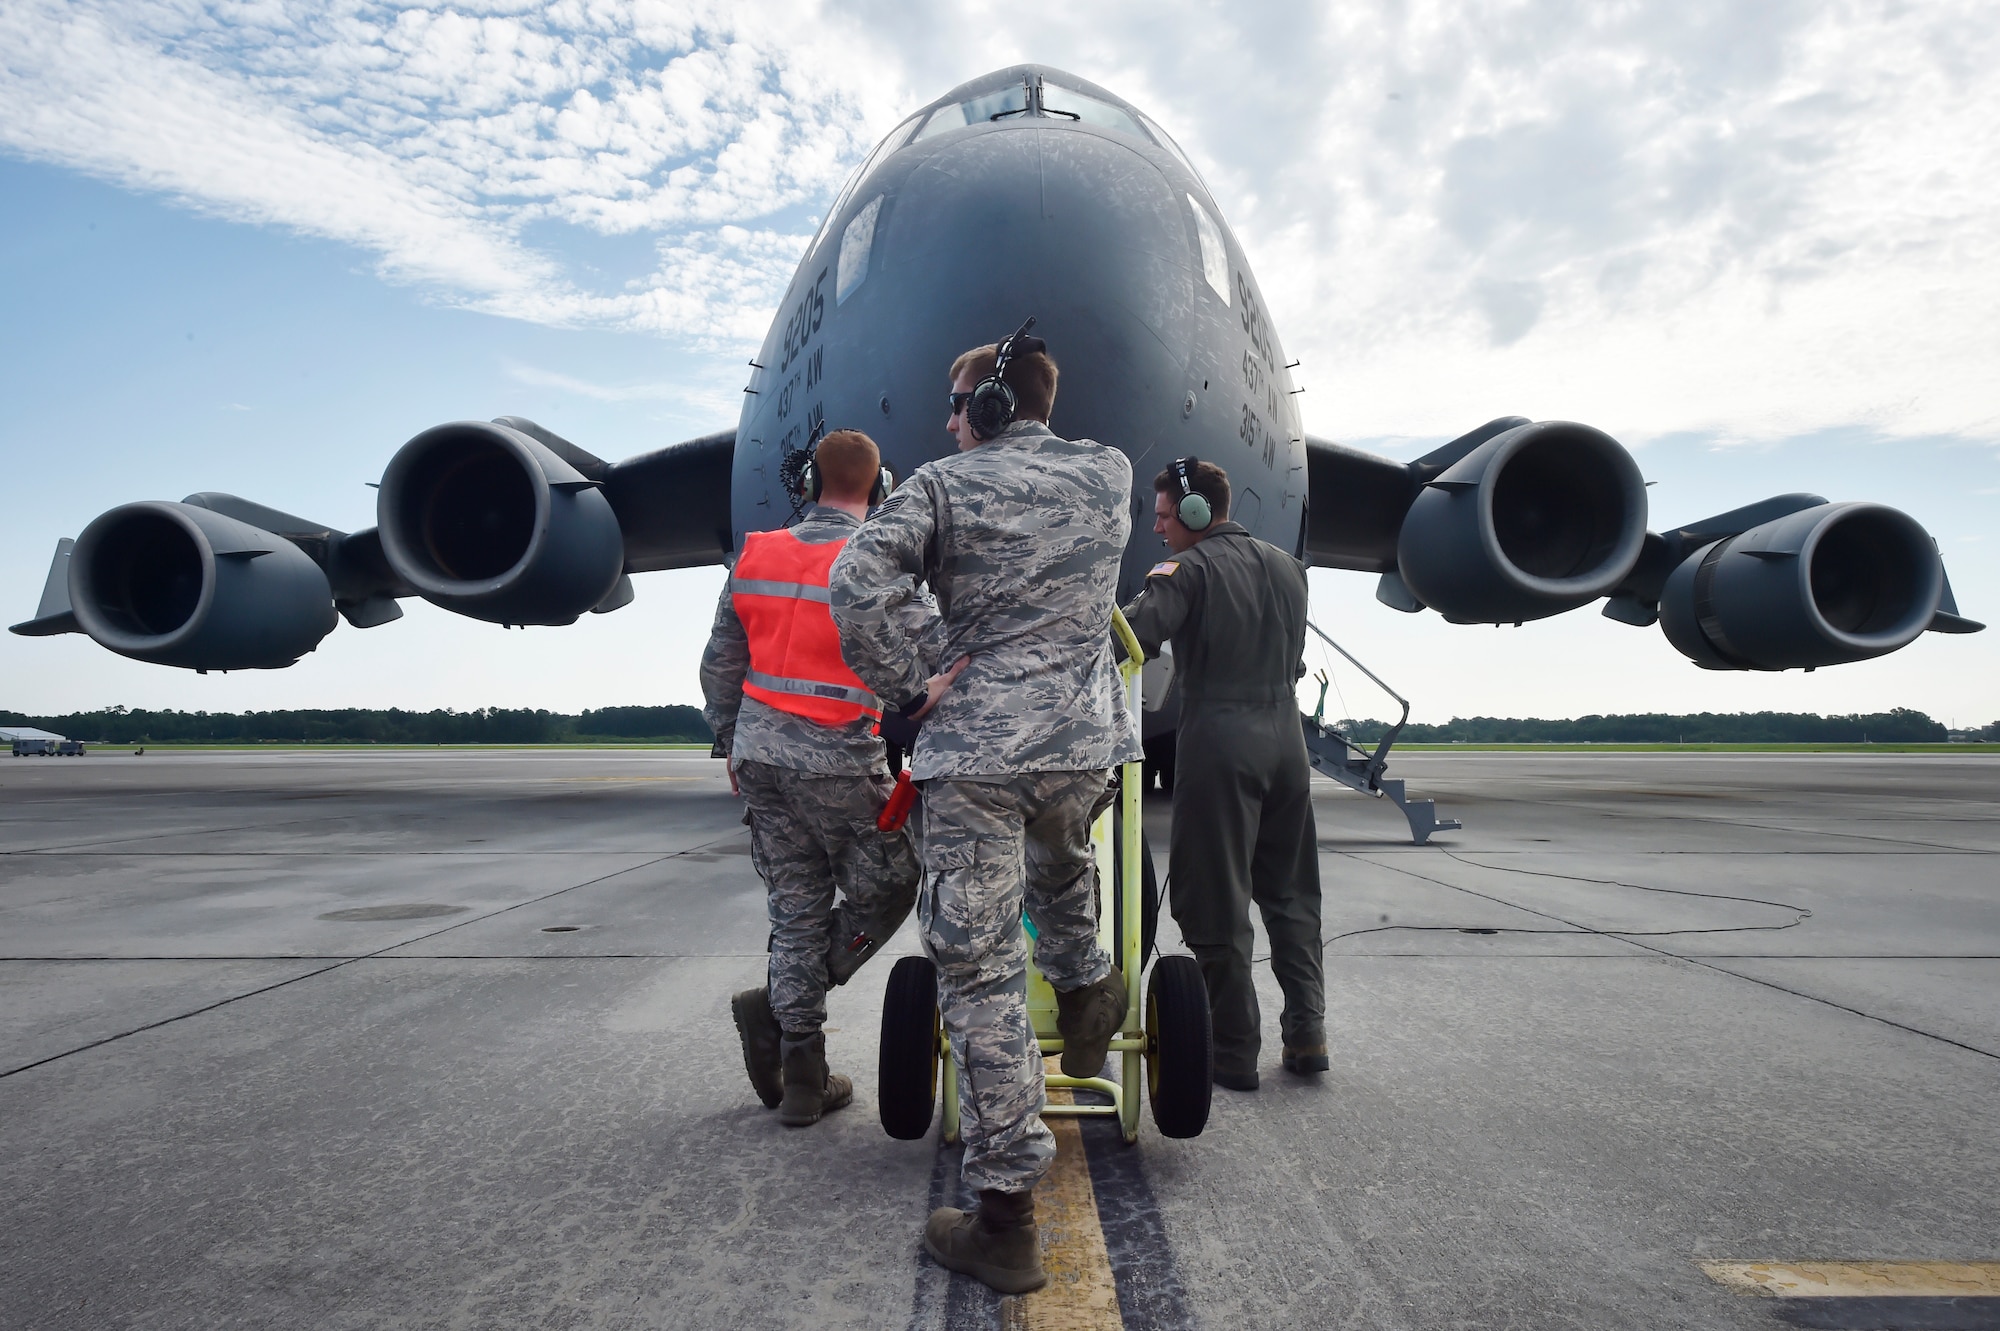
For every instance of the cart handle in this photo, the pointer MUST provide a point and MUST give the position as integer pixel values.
(1135, 654)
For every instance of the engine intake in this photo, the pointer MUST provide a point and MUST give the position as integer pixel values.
(1824, 586)
(1535, 521)
(487, 522)
(178, 585)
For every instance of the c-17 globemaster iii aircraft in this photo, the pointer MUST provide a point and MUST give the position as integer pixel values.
(1025, 192)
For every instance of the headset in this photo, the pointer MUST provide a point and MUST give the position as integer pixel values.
(810, 481)
(1193, 509)
(991, 407)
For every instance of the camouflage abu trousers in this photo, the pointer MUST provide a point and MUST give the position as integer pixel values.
(808, 836)
(992, 848)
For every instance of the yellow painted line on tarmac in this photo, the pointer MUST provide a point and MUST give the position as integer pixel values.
(1859, 1280)
(1082, 1294)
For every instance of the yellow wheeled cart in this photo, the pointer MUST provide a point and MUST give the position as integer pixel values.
(1168, 1033)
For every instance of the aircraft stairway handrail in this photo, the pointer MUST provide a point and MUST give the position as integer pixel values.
(1378, 760)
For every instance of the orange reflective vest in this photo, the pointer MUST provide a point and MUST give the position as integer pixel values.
(779, 589)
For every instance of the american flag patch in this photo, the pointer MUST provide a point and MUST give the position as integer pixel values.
(1165, 568)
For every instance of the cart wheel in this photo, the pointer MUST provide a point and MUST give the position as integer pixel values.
(1181, 1053)
(1149, 893)
(906, 1077)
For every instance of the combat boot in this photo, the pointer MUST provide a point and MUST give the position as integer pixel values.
(757, 1027)
(1087, 1018)
(810, 1090)
(1306, 1059)
(998, 1244)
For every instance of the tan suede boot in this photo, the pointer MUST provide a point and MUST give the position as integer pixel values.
(998, 1244)
(1306, 1060)
(757, 1027)
(1087, 1018)
(810, 1090)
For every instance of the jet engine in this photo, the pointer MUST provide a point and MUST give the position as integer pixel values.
(483, 520)
(179, 585)
(1824, 586)
(1537, 520)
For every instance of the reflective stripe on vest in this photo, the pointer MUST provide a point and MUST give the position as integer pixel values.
(807, 688)
(797, 591)
(779, 589)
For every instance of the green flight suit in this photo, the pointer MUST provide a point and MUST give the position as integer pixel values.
(1235, 609)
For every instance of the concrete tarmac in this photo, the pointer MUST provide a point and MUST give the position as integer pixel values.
(441, 1039)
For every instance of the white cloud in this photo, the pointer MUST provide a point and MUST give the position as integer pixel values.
(1746, 221)
(432, 138)
(536, 377)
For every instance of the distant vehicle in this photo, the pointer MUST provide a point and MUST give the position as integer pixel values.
(32, 743)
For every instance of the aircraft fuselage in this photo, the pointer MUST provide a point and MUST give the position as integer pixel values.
(956, 229)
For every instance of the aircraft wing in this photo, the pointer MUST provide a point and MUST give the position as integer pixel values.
(502, 521)
(660, 498)
(1520, 520)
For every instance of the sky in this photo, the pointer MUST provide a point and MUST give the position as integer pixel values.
(256, 247)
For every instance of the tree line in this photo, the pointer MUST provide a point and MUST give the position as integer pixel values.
(684, 724)
(359, 725)
(1900, 726)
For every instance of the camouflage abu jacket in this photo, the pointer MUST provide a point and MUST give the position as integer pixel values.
(1019, 540)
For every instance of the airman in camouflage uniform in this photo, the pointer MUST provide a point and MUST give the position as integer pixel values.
(1019, 538)
(813, 792)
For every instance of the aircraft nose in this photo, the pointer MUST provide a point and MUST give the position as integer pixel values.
(1066, 224)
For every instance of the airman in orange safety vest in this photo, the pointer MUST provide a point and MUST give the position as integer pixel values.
(799, 731)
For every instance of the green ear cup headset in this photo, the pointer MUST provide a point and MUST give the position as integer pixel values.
(991, 408)
(1193, 510)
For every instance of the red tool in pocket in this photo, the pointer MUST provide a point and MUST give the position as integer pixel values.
(897, 811)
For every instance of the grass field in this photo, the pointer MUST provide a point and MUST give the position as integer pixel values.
(1971, 749)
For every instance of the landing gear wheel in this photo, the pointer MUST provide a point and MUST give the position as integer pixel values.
(1180, 1048)
(906, 1076)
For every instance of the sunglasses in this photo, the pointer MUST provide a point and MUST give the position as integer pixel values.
(958, 401)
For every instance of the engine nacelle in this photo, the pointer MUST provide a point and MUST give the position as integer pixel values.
(178, 585)
(1538, 520)
(485, 521)
(1824, 586)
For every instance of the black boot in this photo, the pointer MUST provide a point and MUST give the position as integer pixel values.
(757, 1026)
(810, 1090)
(998, 1245)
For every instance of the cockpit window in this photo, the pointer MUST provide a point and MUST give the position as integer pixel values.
(1160, 137)
(977, 111)
(1068, 104)
(890, 142)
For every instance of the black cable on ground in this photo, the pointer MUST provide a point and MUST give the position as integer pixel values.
(1662, 953)
(1800, 913)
